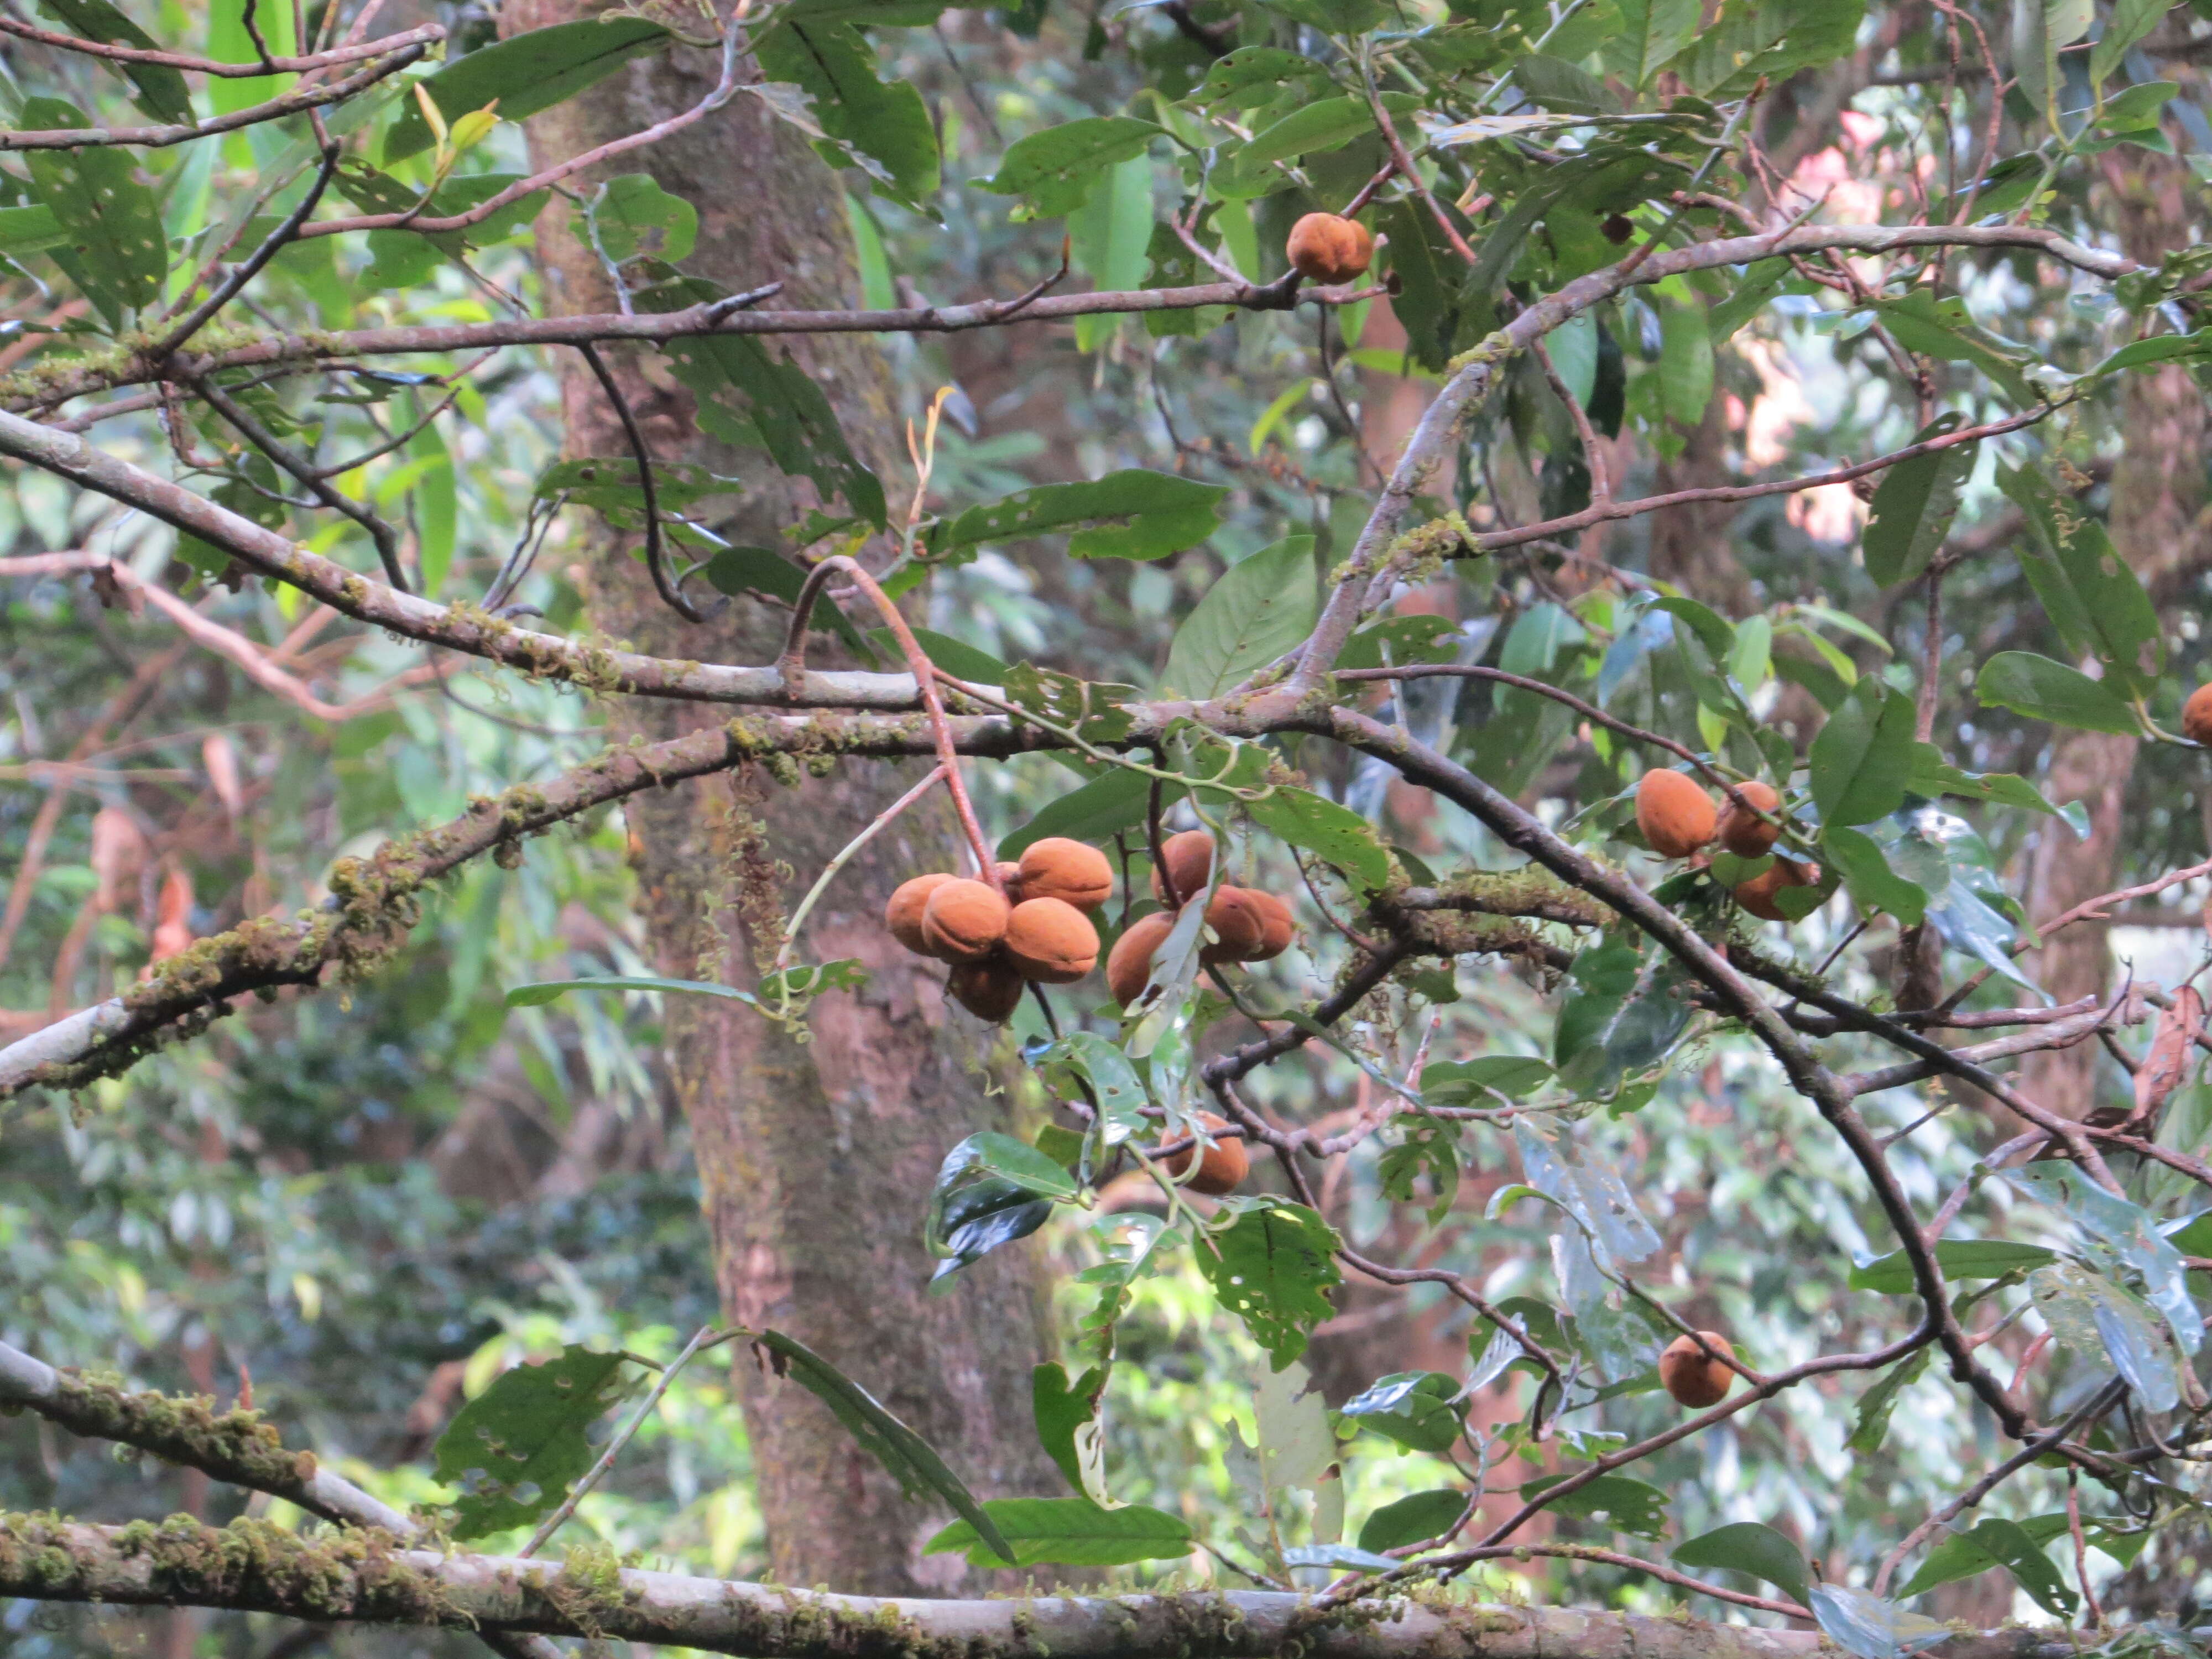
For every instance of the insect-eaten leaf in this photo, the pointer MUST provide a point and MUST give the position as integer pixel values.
(1273, 1265)
(1067, 1532)
(516, 1449)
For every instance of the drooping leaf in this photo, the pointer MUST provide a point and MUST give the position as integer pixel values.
(990, 1190)
(909, 1458)
(741, 569)
(1132, 514)
(2131, 20)
(1871, 1425)
(1052, 171)
(2045, 691)
(1471, 1082)
(1686, 361)
(1748, 1546)
(886, 122)
(159, 90)
(111, 220)
(1334, 834)
(1263, 606)
(1068, 1532)
(1651, 32)
(1872, 883)
(516, 1449)
(1862, 756)
(1958, 1258)
(2093, 596)
(1067, 1424)
(1272, 1267)
(1914, 504)
(1996, 1542)
(525, 73)
(1421, 1410)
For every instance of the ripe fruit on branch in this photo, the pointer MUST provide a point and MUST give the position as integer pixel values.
(1188, 859)
(1129, 964)
(1068, 871)
(903, 915)
(2197, 715)
(1694, 1380)
(1222, 1167)
(1010, 881)
(1758, 895)
(1276, 925)
(989, 990)
(1325, 248)
(963, 921)
(1238, 925)
(1743, 834)
(1675, 815)
(1051, 940)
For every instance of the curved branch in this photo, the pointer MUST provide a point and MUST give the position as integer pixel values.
(161, 137)
(425, 34)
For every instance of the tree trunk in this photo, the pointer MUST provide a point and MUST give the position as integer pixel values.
(2157, 505)
(814, 1156)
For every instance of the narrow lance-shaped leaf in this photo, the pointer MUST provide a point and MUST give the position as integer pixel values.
(525, 73)
(1914, 504)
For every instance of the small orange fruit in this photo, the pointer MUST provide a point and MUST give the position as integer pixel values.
(1129, 964)
(1189, 861)
(1758, 895)
(903, 915)
(1239, 926)
(989, 989)
(963, 921)
(1694, 1380)
(1327, 248)
(2197, 715)
(1676, 815)
(1059, 868)
(1743, 834)
(1222, 1167)
(1051, 940)
(1276, 925)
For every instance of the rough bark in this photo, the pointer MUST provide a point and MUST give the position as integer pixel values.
(815, 1158)
(2158, 498)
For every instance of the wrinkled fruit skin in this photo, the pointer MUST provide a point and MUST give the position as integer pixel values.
(963, 921)
(1238, 925)
(1746, 836)
(1276, 925)
(2197, 715)
(903, 915)
(1129, 964)
(1050, 940)
(1222, 1168)
(1758, 895)
(1676, 817)
(1692, 1379)
(1189, 861)
(1058, 868)
(1010, 881)
(1324, 248)
(989, 990)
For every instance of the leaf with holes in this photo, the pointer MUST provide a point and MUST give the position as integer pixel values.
(111, 220)
(860, 114)
(2000, 1543)
(517, 1448)
(160, 90)
(1271, 1266)
(1334, 834)
(1129, 514)
(1055, 170)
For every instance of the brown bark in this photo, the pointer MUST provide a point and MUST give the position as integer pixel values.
(814, 1156)
(2157, 524)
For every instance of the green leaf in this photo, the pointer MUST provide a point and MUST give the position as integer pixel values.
(1872, 883)
(538, 993)
(2158, 349)
(1558, 84)
(1272, 1267)
(957, 657)
(2131, 20)
(990, 1190)
(228, 42)
(909, 1458)
(1421, 1410)
(1933, 776)
(161, 90)
(1752, 40)
(632, 216)
(1113, 1078)
(516, 1449)
(2091, 596)
(1113, 801)
(1862, 758)
(1748, 1546)
(1068, 1532)
(525, 73)
(1262, 607)
(1314, 128)
(1686, 361)
(1136, 514)
(747, 396)
(1336, 835)
(1410, 1520)
(1993, 1543)
(436, 506)
(1875, 1405)
(884, 121)
(1476, 1082)
(1914, 506)
(112, 222)
(1958, 1258)
(2045, 691)
(1651, 32)
(29, 230)
(1406, 639)
(1067, 1424)
(1633, 1506)
(1054, 170)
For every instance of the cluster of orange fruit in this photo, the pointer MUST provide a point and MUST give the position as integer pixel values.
(1247, 924)
(1038, 928)
(1678, 818)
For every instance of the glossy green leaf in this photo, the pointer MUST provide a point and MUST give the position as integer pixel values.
(1263, 606)
(1471, 1082)
(1422, 1411)
(1748, 1546)
(1995, 1542)
(1316, 127)
(1068, 1532)
(1873, 885)
(1862, 756)
(736, 570)
(1864, 1624)
(905, 1455)
(1113, 801)
(516, 1449)
(1914, 504)
(2045, 691)
(1410, 1520)
(1053, 171)
(538, 993)
(1272, 1267)
(1958, 1258)
(1632, 1506)
(525, 73)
